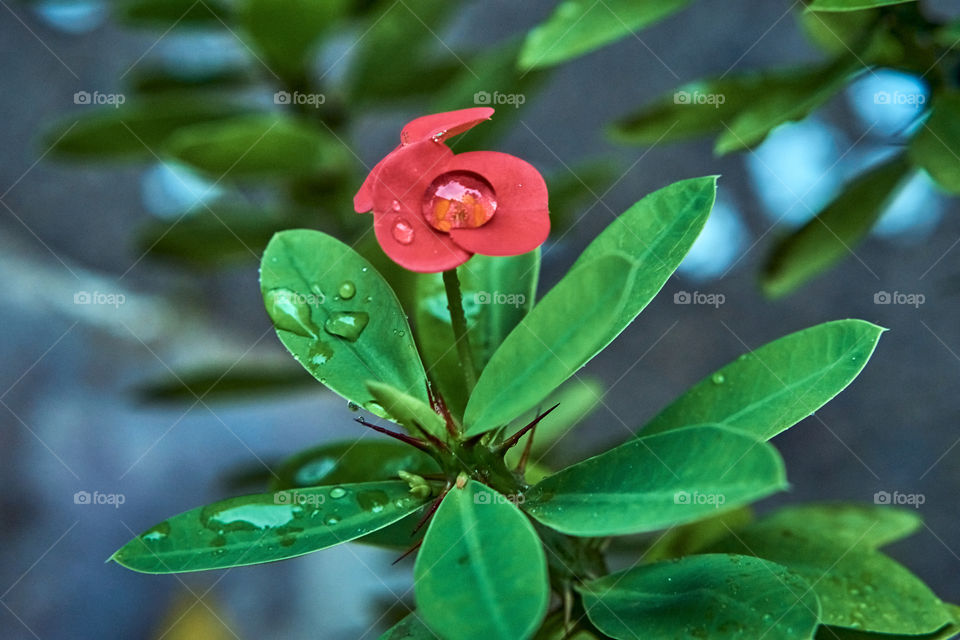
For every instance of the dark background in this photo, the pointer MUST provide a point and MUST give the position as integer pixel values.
(70, 423)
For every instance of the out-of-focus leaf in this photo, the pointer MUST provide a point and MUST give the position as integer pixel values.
(338, 317)
(214, 237)
(573, 193)
(850, 5)
(263, 145)
(285, 31)
(191, 619)
(839, 33)
(580, 26)
(410, 628)
(169, 14)
(612, 281)
(717, 596)
(868, 525)
(225, 384)
(497, 293)
(158, 80)
(267, 527)
(657, 482)
(833, 233)
(692, 538)
(481, 561)
(827, 632)
(936, 147)
(772, 388)
(134, 131)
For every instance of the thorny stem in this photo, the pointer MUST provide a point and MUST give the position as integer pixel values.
(451, 283)
(515, 438)
(414, 442)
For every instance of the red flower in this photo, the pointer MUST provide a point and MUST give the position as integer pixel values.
(432, 209)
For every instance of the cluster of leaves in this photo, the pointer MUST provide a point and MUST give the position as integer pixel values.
(511, 548)
(856, 36)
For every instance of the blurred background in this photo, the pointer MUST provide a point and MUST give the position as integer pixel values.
(119, 289)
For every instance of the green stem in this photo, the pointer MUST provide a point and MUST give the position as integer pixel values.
(459, 321)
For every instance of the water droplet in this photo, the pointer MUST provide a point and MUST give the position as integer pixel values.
(396, 205)
(373, 501)
(314, 471)
(157, 533)
(290, 312)
(320, 352)
(337, 492)
(353, 406)
(347, 324)
(246, 516)
(347, 289)
(718, 378)
(332, 520)
(403, 232)
(459, 200)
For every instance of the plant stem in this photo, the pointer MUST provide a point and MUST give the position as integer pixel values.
(451, 283)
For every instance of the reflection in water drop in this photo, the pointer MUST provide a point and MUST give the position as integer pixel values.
(403, 232)
(459, 200)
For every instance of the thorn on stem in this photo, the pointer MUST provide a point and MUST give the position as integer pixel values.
(413, 442)
(515, 438)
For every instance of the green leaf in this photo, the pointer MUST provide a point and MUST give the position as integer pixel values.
(854, 524)
(839, 633)
(692, 538)
(226, 383)
(581, 26)
(262, 145)
(170, 14)
(793, 98)
(410, 628)
(858, 586)
(860, 32)
(609, 285)
(210, 237)
(851, 5)
(497, 293)
(159, 79)
(350, 461)
(833, 233)
(934, 147)
(407, 410)
(576, 400)
(657, 482)
(482, 562)
(133, 131)
(344, 341)
(707, 596)
(286, 31)
(267, 527)
(772, 388)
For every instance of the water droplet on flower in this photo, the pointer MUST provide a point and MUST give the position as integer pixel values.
(347, 324)
(373, 501)
(459, 200)
(718, 378)
(403, 232)
(337, 492)
(396, 205)
(347, 290)
(290, 312)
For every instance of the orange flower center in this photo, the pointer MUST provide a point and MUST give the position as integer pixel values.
(459, 200)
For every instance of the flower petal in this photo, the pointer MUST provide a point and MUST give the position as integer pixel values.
(398, 220)
(444, 125)
(522, 220)
(363, 201)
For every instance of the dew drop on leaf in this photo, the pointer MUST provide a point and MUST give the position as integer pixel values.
(718, 378)
(290, 312)
(332, 520)
(373, 501)
(157, 533)
(347, 289)
(337, 492)
(347, 324)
